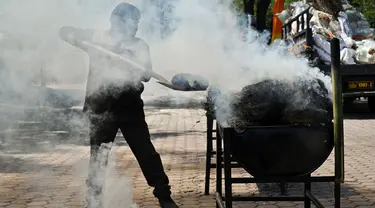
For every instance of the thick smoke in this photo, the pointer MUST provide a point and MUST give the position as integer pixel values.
(206, 41)
(203, 38)
(209, 42)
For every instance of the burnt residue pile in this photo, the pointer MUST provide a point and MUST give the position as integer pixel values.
(273, 102)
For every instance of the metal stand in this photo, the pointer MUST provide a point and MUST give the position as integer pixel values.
(210, 153)
(227, 200)
(225, 134)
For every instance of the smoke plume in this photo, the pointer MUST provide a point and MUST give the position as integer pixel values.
(198, 37)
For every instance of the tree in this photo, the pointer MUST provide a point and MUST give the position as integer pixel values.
(367, 7)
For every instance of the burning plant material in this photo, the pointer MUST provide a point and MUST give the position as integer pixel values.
(186, 82)
(276, 102)
(190, 81)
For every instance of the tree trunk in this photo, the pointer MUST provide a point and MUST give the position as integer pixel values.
(332, 7)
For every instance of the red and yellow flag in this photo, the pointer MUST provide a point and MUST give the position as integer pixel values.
(277, 24)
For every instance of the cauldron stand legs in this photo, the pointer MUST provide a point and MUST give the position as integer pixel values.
(227, 171)
(210, 153)
(306, 189)
(227, 200)
(219, 169)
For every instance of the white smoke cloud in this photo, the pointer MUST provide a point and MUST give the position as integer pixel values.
(206, 41)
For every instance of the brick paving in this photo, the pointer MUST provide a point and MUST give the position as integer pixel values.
(47, 169)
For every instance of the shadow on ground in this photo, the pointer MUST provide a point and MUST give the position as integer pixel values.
(175, 103)
(120, 141)
(28, 142)
(358, 111)
(16, 164)
(323, 192)
(319, 190)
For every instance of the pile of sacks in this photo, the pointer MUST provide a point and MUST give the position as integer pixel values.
(356, 37)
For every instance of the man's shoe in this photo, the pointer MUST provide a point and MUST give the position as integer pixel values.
(167, 203)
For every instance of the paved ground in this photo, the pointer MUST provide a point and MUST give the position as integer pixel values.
(46, 169)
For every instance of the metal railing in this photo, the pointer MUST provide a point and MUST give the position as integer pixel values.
(302, 21)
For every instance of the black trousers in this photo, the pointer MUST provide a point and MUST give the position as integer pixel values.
(261, 15)
(103, 130)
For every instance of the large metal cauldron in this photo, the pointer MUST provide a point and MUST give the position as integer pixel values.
(282, 150)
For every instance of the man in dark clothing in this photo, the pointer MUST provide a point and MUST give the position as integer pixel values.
(113, 101)
(261, 13)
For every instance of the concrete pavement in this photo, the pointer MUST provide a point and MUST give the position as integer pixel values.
(47, 169)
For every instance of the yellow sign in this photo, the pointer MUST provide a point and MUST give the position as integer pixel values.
(361, 85)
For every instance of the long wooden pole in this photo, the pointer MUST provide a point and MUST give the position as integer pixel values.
(337, 110)
(127, 60)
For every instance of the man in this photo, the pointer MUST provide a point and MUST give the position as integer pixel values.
(113, 101)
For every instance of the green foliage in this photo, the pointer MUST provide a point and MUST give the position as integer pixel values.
(238, 4)
(367, 7)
